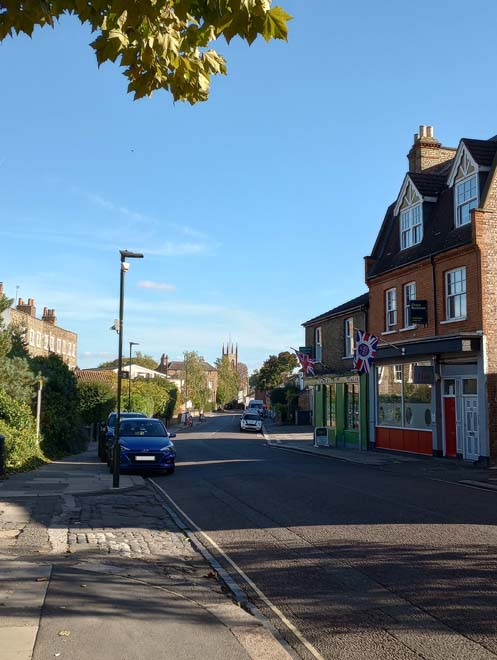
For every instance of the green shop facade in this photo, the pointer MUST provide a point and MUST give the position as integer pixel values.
(339, 395)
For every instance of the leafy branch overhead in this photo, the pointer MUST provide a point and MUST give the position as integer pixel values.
(161, 44)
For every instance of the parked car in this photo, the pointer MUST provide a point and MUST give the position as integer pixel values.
(110, 430)
(256, 405)
(145, 444)
(250, 421)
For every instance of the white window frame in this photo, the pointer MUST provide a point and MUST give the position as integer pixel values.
(38, 339)
(348, 329)
(64, 347)
(411, 226)
(470, 203)
(407, 289)
(74, 350)
(59, 345)
(52, 343)
(390, 308)
(397, 369)
(318, 344)
(31, 337)
(45, 342)
(461, 295)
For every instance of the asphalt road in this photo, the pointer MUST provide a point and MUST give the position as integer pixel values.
(366, 563)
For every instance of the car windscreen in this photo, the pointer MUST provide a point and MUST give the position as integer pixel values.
(146, 428)
(251, 416)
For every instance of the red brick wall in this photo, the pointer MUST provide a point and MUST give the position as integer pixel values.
(485, 234)
(422, 274)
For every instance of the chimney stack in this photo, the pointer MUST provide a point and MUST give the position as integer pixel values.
(49, 316)
(427, 153)
(27, 308)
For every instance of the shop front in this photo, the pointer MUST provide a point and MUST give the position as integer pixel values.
(431, 404)
(340, 406)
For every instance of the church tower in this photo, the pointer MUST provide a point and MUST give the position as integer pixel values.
(231, 353)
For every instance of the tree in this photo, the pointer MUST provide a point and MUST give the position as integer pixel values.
(60, 414)
(16, 375)
(194, 377)
(96, 401)
(275, 370)
(146, 361)
(156, 397)
(228, 381)
(161, 45)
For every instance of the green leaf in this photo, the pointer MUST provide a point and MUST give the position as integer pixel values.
(275, 24)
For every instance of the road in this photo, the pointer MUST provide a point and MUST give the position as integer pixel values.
(364, 562)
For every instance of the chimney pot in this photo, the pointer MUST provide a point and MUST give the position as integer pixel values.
(429, 131)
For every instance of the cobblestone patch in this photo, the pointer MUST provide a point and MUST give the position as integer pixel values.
(133, 524)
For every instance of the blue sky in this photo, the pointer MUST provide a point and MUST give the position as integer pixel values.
(255, 209)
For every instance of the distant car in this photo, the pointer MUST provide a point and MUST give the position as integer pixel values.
(145, 444)
(250, 421)
(256, 405)
(110, 430)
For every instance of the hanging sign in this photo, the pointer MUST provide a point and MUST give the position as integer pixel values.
(418, 312)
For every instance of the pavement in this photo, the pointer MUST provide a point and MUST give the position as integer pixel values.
(301, 439)
(88, 571)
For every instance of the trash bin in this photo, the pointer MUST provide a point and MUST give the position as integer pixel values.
(2, 455)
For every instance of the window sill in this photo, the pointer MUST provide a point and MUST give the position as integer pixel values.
(389, 332)
(458, 320)
(409, 327)
(348, 357)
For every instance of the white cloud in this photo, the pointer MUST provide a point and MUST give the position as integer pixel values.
(161, 286)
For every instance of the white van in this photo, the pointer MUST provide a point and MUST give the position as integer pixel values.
(256, 405)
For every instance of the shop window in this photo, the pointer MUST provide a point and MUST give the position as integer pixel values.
(470, 386)
(389, 397)
(332, 406)
(449, 387)
(417, 405)
(352, 406)
(402, 403)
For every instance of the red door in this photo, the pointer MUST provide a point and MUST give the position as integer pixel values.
(450, 426)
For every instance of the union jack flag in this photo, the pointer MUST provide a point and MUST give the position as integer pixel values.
(306, 362)
(365, 350)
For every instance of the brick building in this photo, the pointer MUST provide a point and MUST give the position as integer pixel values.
(339, 395)
(175, 371)
(434, 389)
(43, 335)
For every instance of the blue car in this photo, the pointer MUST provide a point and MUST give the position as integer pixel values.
(145, 444)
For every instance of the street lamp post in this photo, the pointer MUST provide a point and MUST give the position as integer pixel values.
(131, 344)
(125, 254)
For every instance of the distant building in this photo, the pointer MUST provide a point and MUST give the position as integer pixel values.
(231, 352)
(175, 371)
(137, 371)
(43, 336)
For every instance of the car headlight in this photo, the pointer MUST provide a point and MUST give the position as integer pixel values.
(125, 448)
(168, 449)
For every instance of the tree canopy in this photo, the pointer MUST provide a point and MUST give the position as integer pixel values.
(228, 381)
(160, 44)
(274, 371)
(194, 376)
(146, 361)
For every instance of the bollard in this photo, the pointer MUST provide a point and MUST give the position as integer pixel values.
(2, 455)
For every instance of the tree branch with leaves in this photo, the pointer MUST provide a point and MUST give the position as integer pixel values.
(160, 44)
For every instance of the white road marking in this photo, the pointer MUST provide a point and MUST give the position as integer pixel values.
(313, 651)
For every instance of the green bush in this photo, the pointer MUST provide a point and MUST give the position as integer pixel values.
(15, 413)
(22, 451)
(60, 414)
(96, 401)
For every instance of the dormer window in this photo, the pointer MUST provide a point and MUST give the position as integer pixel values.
(410, 209)
(464, 178)
(466, 199)
(411, 227)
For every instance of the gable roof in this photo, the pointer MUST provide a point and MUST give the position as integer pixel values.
(483, 151)
(95, 375)
(439, 232)
(355, 303)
